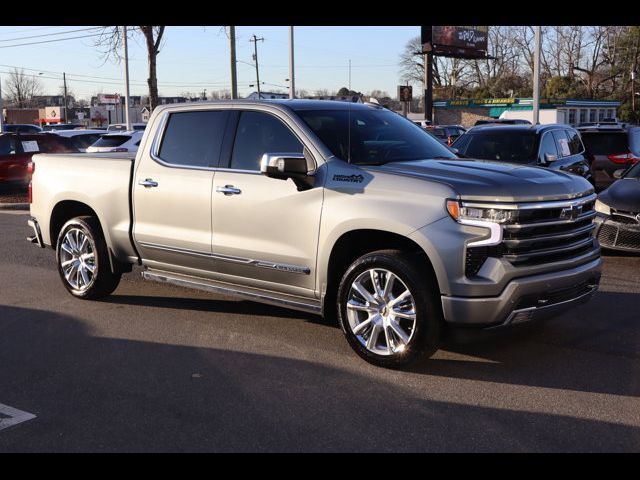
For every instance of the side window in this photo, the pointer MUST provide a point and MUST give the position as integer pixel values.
(7, 145)
(562, 143)
(259, 133)
(193, 139)
(575, 144)
(548, 145)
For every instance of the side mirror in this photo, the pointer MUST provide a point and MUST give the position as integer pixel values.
(550, 157)
(282, 166)
(618, 173)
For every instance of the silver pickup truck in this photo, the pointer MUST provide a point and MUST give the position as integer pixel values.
(340, 209)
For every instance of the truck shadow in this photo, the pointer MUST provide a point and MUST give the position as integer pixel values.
(106, 394)
(592, 348)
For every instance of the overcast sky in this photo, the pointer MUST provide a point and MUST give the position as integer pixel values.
(195, 58)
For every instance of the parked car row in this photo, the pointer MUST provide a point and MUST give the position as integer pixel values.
(17, 147)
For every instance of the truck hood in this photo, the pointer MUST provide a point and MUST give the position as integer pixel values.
(623, 194)
(495, 181)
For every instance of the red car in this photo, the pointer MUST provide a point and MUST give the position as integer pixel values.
(17, 149)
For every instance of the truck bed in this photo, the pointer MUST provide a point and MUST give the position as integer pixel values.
(101, 181)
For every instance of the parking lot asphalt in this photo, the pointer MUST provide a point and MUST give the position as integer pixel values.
(161, 368)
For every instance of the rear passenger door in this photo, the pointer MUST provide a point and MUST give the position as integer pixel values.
(265, 231)
(172, 190)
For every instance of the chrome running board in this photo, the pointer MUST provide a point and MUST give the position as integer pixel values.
(281, 300)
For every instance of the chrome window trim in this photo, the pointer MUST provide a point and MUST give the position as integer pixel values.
(533, 205)
(161, 129)
(160, 132)
(283, 267)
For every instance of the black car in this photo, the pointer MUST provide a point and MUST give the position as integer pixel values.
(503, 121)
(618, 213)
(447, 134)
(553, 146)
(610, 148)
(20, 128)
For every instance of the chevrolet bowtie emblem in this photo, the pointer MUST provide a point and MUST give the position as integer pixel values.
(571, 212)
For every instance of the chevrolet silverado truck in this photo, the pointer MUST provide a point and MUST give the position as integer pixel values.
(344, 210)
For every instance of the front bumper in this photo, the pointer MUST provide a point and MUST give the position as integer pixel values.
(617, 235)
(527, 298)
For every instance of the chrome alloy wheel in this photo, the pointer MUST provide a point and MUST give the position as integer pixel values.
(78, 259)
(381, 311)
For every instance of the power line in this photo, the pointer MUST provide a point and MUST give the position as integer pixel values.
(115, 80)
(49, 34)
(51, 41)
(49, 27)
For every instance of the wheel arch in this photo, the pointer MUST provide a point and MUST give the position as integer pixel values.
(355, 243)
(66, 210)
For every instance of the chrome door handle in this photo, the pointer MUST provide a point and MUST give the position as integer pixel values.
(148, 183)
(229, 190)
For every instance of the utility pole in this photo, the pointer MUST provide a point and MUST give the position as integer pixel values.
(428, 86)
(536, 77)
(255, 41)
(292, 81)
(66, 104)
(349, 74)
(234, 77)
(126, 78)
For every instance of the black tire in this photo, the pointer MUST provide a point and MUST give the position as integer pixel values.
(426, 332)
(102, 281)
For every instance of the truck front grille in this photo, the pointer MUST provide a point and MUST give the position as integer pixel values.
(541, 234)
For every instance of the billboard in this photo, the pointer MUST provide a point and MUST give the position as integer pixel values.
(455, 41)
(108, 99)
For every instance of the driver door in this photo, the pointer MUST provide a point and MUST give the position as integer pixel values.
(265, 231)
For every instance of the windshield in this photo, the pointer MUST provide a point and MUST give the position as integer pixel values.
(518, 147)
(372, 136)
(601, 143)
(111, 140)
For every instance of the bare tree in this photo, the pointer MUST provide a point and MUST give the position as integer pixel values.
(110, 40)
(21, 88)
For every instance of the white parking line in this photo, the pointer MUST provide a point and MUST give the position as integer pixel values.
(10, 416)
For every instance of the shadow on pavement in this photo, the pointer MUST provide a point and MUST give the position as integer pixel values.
(106, 394)
(593, 348)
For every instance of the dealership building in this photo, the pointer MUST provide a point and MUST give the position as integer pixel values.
(573, 112)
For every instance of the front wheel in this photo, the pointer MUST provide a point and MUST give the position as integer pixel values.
(83, 259)
(389, 309)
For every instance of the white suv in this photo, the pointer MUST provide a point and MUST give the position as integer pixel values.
(126, 141)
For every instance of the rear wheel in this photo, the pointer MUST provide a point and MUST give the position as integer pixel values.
(389, 310)
(83, 259)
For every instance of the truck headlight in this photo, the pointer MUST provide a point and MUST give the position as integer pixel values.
(460, 212)
(481, 216)
(602, 208)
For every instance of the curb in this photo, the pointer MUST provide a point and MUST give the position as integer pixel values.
(14, 206)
